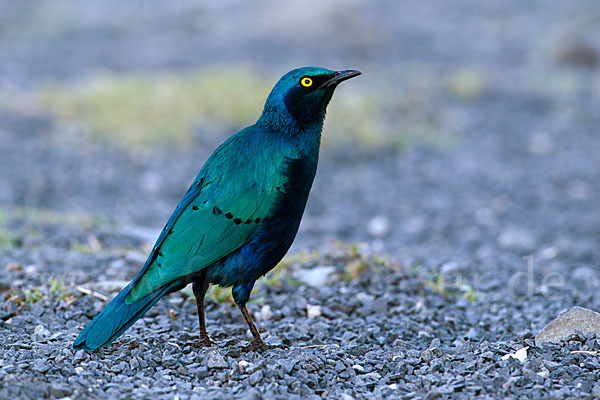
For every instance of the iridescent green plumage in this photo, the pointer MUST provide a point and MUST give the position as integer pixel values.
(241, 214)
(225, 207)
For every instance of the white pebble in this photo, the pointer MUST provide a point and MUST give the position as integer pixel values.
(313, 311)
(358, 368)
(31, 269)
(544, 373)
(243, 365)
(316, 277)
(378, 226)
(265, 313)
(549, 253)
(520, 355)
(40, 330)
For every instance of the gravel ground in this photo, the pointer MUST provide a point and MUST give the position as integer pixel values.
(389, 331)
(466, 248)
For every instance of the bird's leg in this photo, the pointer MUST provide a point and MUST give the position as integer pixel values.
(199, 287)
(256, 342)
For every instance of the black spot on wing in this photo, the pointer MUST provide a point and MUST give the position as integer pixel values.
(236, 220)
(195, 208)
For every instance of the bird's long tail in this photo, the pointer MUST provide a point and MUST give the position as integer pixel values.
(117, 316)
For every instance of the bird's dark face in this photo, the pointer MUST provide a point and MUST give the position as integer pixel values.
(304, 94)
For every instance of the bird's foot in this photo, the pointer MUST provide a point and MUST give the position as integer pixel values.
(255, 345)
(203, 341)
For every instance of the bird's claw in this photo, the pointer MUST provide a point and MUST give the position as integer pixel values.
(203, 341)
(256, 345)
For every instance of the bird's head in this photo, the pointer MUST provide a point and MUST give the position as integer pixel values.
(299, 100)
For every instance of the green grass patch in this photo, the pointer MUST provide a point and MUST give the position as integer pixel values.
(142, 109)
(466, 83)
(154, 110)
(57, 288)
(214, 292)
(9, 240)
(448, 286)
(50, 217)
(220, 294)
(52, 288)
(31, 296)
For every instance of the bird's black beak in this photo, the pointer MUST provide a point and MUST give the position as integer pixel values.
(339, 77)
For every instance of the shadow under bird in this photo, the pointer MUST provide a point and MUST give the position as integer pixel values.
(240, 215)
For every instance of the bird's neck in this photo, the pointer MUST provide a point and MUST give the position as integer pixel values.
(282, 122)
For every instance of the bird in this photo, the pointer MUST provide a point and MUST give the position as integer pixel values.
(240, 215)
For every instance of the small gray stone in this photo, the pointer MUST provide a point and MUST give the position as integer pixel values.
(256, 377)
(216, 360)
(134, 363)
(435, 346)
(200, 372)
(471, 333)
(80, 355)
(40, 365)
(596, 390)
(288, 365)
(586, 277)
(541, 144)
(59, 391)
(253, 367)
(567, 322)
(427, 355)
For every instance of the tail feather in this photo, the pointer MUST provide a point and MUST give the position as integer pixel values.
(117, 316)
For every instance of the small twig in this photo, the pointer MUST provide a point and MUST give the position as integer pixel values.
(83, 290)
(319, 346)
(591, 353)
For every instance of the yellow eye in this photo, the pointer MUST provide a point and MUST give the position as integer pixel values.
(306, 81)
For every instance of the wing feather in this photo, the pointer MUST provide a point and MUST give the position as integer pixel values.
(211, 221)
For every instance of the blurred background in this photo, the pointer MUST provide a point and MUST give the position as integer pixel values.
(470, 140)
